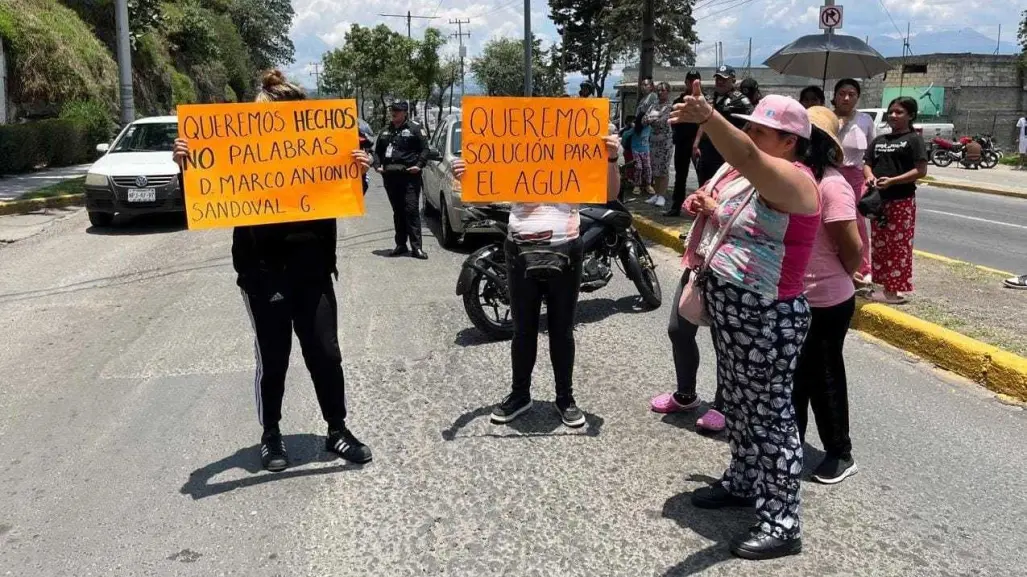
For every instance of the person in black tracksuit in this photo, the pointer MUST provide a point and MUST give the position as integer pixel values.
(728, 101)
(285, 272)
(401, 152)
(683, 135)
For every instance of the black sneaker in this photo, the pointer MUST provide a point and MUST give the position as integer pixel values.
(717, 497)
(272, 452)
(511, 408)
(571, 415)
(344, 444)
(758, 546)
(834, 470)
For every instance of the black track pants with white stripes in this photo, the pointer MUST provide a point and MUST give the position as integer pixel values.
(311, 310)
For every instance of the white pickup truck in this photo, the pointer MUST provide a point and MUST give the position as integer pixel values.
(928, 130)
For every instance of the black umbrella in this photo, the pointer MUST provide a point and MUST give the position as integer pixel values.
(829, 56)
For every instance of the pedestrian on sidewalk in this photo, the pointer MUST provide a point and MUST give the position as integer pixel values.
(729, 102)
(820, 381)
(638, 138)
(401, 153)
(661, 145)
(753, 294)
(1021, 140)
(683, 138)
(285, 274)
(894, 162)
(857, 132)
(544, 257)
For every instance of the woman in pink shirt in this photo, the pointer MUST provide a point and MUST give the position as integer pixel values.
(856, 133)
(837, 255)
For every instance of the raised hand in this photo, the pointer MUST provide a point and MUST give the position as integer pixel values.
(694, 109)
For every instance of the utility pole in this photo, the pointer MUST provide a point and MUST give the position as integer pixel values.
(905, 49)
(317, 76)
(409, 17)
(645, 65)
(463, 51)
(128, 112)
(998, 47)
(527, 48)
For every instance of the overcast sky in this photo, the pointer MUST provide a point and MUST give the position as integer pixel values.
(320, 25)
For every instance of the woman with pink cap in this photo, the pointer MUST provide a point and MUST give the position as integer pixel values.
(749, 262)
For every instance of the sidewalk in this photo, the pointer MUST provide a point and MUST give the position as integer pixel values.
(1002, 179)
(15, 185)
(961, 317)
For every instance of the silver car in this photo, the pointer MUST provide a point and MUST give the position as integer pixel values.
(441, 190)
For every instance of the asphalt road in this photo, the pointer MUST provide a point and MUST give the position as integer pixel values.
(128, 435)
(979, 228)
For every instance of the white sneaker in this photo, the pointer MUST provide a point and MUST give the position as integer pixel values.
(661, 202)
(652, 199)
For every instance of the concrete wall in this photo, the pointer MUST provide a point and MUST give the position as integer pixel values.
(983, 93)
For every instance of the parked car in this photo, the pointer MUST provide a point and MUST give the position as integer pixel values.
(136, 174)
(441, 190)
(928, 130)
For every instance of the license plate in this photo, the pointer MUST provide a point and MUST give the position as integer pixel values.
(142, 194)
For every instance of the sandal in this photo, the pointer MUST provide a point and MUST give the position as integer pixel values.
(879, 297)
(713, 422)
(666, 403)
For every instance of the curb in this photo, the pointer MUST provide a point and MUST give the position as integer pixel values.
(999, 371)
(34, 204)
(931, 181)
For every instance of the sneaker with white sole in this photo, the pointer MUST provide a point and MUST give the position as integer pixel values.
(1017, 282)
(660, 202)
(651, 199)
(512, 407)
(344, 444)
(834, 470)
(571, 415)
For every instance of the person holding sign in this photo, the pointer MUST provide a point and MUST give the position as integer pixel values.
(544, 256)
(401, 152)
(285, 273)
(749, 265)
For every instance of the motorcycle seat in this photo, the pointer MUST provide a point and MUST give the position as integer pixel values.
(614, 217)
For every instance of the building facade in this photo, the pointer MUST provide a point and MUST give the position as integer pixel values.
(978, 93)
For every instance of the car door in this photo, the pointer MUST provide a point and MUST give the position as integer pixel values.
(431, 174)
(442, 168)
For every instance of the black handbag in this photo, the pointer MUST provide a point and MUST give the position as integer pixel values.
(872, 203)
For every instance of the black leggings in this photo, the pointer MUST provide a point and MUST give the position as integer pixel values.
(686, 351)
(820, 379)
(561, 295)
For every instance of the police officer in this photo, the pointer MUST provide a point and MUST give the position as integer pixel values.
(728, 101)
(401, 152)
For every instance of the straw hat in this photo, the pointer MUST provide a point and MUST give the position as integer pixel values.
(828, 123)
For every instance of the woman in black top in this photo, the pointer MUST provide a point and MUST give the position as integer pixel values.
(894, 162)
(285, 273)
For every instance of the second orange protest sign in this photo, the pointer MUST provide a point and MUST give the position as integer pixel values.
(262, 163)
(538, 150)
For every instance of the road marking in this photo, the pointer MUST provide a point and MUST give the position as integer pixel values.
(977, 219)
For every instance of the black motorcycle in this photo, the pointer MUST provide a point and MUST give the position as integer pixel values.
(606, 232)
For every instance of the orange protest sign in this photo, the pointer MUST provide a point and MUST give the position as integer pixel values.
(261, 163)
(544, 150)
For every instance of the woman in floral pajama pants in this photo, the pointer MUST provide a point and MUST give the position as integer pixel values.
(767, 214)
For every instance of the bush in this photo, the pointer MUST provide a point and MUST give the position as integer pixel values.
(94, 121)
(183, 91)
(52, 143)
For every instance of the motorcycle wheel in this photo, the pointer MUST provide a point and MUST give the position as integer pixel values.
(941, 158)
(641, 270)
(481, 296)
(989, 159)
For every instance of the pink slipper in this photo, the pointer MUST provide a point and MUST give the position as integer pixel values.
(666, 403)
(713, 421)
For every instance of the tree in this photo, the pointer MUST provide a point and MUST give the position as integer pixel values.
(1022, 37)
(264, 26)
(446, 80)
(500, 69)
(425, 66)
(597, 34)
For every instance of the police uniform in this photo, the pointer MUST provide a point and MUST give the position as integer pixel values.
(397, 149)
(727, 105)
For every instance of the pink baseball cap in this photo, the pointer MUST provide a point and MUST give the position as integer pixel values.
(781, 113)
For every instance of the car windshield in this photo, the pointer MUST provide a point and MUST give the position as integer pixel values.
(148, 138)
(454, 141)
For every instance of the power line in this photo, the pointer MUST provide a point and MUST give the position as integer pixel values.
(881, 2)
(463, 51)
(728, 9)
(409, 17)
